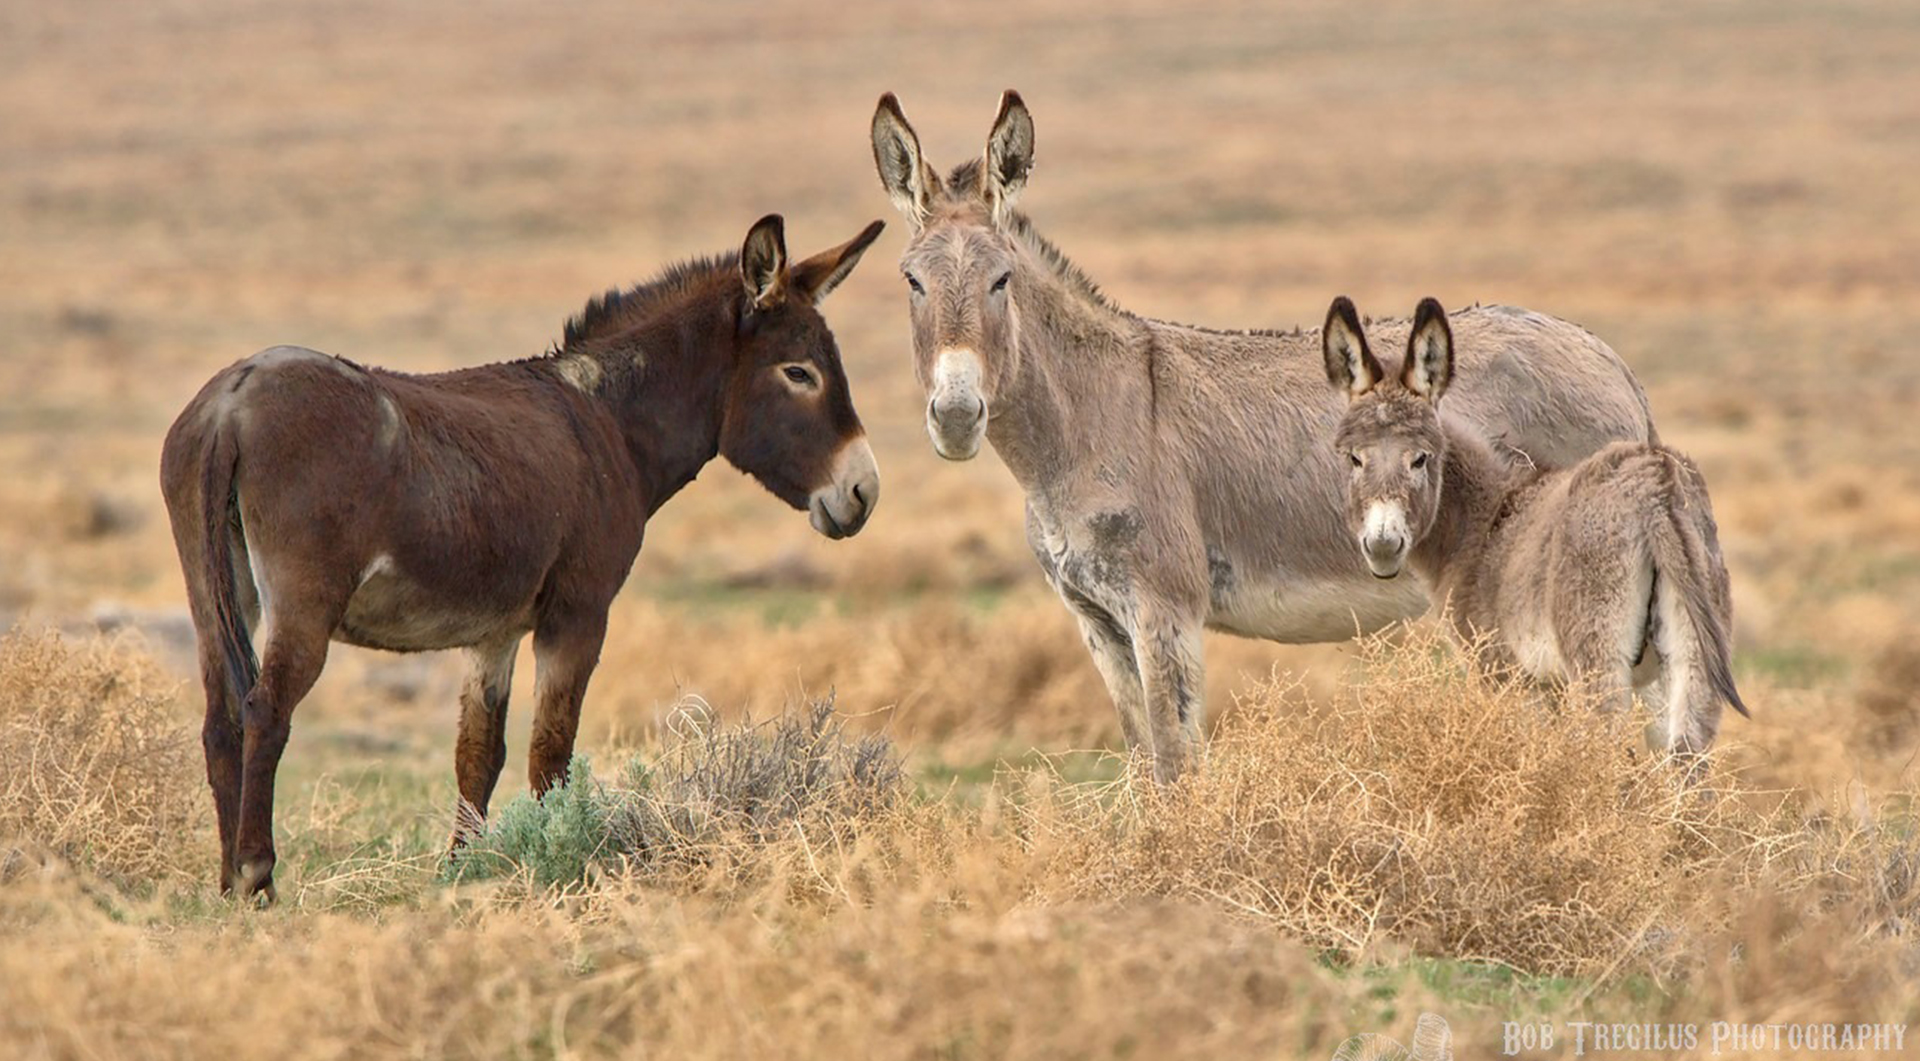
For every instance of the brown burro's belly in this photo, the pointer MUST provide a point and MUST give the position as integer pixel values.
(395, 612)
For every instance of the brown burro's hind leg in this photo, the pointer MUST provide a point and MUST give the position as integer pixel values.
(481, 751)
(296, 650)
(220, 737)
(565, 650)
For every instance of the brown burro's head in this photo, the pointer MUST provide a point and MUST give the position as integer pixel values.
(789, 419)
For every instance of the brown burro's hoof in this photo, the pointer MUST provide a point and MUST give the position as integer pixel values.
(254, 883)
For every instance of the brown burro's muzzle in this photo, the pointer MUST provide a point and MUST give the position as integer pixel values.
(840, 508)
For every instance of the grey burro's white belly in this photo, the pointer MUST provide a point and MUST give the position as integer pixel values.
(1308, 612)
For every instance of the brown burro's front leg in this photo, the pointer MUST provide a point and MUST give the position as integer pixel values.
(566, 647)
(481, 751)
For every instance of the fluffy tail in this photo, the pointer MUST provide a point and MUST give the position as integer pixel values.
(1681, 558)
(220, 521)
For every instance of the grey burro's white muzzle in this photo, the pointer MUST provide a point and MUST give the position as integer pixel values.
(840, 508)
(956, 409)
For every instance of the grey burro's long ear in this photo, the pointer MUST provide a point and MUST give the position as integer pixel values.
(820, 274)
(1429, 365)
(909, 181)
(1351, 366)
(1009, 155)
(763, 262)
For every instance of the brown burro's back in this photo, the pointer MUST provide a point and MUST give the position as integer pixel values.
(1605, 575)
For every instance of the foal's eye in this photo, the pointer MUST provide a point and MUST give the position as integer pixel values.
(1354, 458)
(1419, 461)
(798, 374)
(914, 284)
(1000, 284)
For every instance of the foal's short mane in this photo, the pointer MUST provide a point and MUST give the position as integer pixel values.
(616, 309)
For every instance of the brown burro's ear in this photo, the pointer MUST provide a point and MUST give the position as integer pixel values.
(1429, 365)
(820, 274)
(1351, 366)
(896, 154)
(763, 262)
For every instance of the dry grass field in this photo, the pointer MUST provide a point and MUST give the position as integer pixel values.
(1724, 192)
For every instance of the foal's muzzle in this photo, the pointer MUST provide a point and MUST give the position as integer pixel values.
(840, 508)
(1384, 540)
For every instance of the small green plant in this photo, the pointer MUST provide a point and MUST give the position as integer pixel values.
(739, 785)
(554, 837)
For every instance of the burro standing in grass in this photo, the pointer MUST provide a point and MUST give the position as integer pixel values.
(1605, 575)
(314, 500)
(1178, 477)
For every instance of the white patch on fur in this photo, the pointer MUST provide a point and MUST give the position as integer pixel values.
(957, 376)
(263, 633)
(1290, 610)
(1385, 519)
(1683, 669)
(1536, 649)
(957, 368)
(581, 373)
(389, 421)
(381, 565)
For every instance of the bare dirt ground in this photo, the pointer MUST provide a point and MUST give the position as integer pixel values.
(1724, 192)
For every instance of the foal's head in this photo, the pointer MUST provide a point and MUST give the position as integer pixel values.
(959, 267)
(788, 419)
(1391, 435)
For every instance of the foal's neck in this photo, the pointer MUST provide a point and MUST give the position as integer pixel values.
(1474, 486)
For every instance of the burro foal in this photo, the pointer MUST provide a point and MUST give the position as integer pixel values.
(316, 500)
(1605, 575)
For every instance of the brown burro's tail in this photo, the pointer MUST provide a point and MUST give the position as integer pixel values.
(1681, 556)
(220, 522)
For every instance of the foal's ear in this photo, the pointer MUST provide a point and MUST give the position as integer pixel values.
(763, 262)
(1009, 154)
(896, 153)
(1429, 365)
(816, 276)
(1351, 366)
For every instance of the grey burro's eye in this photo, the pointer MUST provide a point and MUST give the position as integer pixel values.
(914, 283)
(1354, 458)
(1420, 461)
(1000, 284)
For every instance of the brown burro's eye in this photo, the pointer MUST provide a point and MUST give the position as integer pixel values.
(798, 374)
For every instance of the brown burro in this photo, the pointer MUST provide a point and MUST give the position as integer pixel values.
(1178, 478)
(316, 500)
(1605, 576)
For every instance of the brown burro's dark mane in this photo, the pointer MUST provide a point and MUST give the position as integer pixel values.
(314, 500)
(616, 309)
